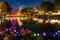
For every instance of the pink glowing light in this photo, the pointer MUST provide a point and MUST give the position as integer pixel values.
(44, 34)
(13, 21)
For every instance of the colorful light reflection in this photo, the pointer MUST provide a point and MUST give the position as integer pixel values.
(13, 21)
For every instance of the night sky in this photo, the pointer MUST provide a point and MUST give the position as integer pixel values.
(25, 3)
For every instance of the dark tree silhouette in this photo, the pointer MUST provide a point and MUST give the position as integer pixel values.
(47, 6)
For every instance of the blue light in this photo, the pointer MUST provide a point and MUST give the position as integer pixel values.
(9, 29)
(14, 30)
(54, 35)
(58, 31)
(17, 32)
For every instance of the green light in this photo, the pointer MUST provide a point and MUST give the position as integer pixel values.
(37, 34)
(34, 34)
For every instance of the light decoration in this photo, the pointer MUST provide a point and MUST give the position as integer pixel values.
(54, 35)
(14, 30)
(34, 34)
(35, 19)
(16, 15)
(58, 11)
(19, 22)
(6, 29)
(0, 11)
(13, 21)
(55, 14)
(37, 34)
(9, 28)
(44, 34)
(58, 31)
(5, 18)
(40, 20)
(17, 32)
(53, 21)
(46, 21)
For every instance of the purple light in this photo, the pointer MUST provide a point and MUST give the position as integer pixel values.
(7, 29)
(13, 21)
(44, 34)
